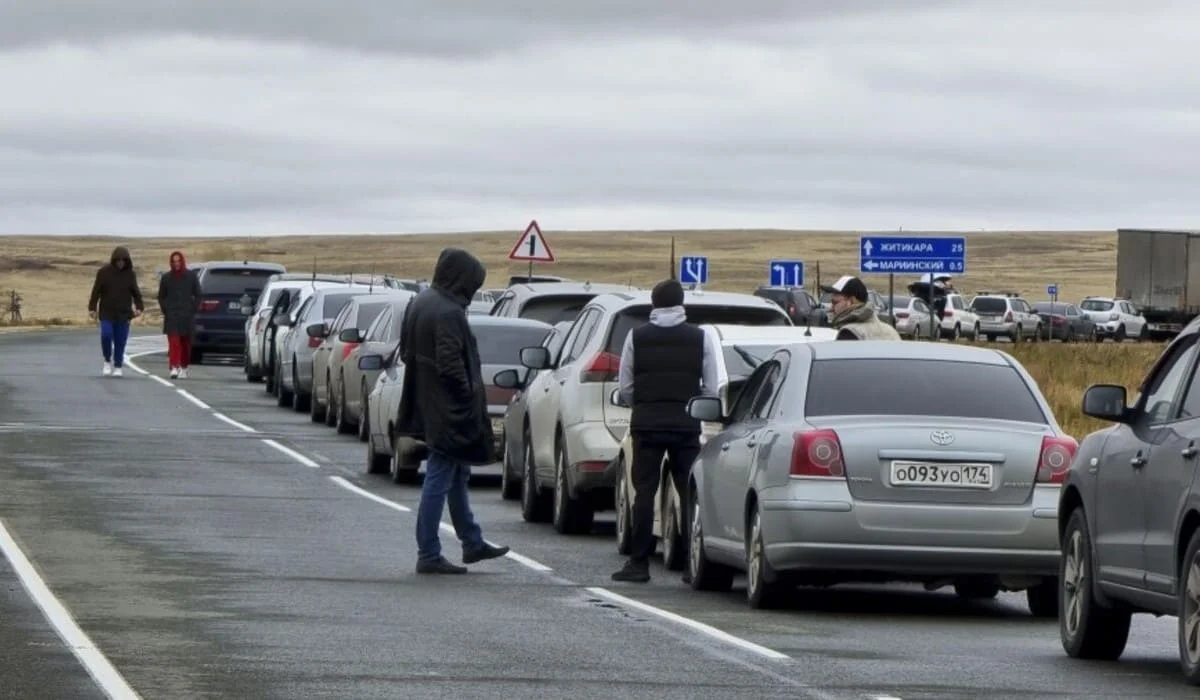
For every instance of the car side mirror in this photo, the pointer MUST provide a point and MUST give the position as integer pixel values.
(282, 320)
(615, 399)
(370, 362)
(1106, 402)
(536, 357)
(706, 409)
(350, 335)
(507, 379)
(317, 330)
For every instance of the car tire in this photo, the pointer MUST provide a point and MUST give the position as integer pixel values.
(624, 509)
(315, 413)
(1189, 612)
(343, 424)
(705, 574)
(400, 466)
(377, 463)
(283, 397)
(1042, 599)
(197, 357)
(572, 516)
(762, 588)
(975, 333)
(510, 484)
(1087, 629)
(674, 542)
(364, 419)
(301, 401)
(535, 503)
(330, 407)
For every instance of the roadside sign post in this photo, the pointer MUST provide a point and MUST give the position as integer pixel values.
(693, 269)
(1052, 291)
(933, 254)
(532, 247)
(786, 273)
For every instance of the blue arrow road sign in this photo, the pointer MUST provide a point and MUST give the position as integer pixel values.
(1052, 290)
(894, 254)
(693, 269)
(786, 273)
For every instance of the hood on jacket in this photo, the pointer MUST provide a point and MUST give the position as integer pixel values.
(121, 253)
(459, 274)
(182, 263)
(857, 313)
(667, 316)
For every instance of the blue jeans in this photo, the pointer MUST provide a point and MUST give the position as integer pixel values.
(445, 481)
(113, 336)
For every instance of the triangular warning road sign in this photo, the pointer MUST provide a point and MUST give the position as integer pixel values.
(532, 246)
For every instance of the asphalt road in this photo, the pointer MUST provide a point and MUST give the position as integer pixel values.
(202, 561)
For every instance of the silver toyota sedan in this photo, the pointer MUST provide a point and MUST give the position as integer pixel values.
(846, 462)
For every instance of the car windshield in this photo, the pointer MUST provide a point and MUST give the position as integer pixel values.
(635, 316)
(1095, 305)
(1049, 307)
(913, 387)
(989, 305)
(501, 345)
(235, 281)
(555, 308)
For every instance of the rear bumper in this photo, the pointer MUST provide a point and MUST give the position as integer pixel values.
(593, 451)
(820, 527)
(218, 339)
(997, 327)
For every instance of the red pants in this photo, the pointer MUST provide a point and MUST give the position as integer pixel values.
(179, 350)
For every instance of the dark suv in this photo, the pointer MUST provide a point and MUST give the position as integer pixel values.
(800, 306)
(224, 288)
(1129, 514)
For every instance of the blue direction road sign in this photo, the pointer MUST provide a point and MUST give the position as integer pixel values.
(786, 273)
(895, 254)
(1052, 290)
(693, 269)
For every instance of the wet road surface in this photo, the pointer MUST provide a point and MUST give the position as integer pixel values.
(203, 561)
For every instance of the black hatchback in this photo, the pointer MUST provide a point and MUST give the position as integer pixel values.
(224, 287)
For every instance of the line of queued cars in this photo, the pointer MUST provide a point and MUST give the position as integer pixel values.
(821, 463)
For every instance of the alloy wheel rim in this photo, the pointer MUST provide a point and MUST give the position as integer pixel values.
(559, 487)
(1074, 584)
(1191, 612)
(752, 572)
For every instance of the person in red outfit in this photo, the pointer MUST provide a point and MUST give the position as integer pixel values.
(179, 298)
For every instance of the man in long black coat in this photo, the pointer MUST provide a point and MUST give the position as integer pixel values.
(444, 404)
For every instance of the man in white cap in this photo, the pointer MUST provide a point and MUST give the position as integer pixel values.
(853, 317)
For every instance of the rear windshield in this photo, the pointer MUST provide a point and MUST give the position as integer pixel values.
(1049, 307)
(779, 296)
(741, 358)
(989, 305)
(919, 388)
(236, 281)
(500, 345)
(1096, 305)
(334, 302)
(367, 313)
(556, 308)
(635, 316)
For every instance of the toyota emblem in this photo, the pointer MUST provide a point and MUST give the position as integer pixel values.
(941, 437)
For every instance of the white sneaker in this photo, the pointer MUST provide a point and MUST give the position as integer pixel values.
(174, 373)
(108, 369)
(183, 373)
(117, 372)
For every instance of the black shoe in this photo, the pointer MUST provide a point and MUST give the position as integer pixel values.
(634, 572)
(441, 566)
(484, 553)
(686, 578)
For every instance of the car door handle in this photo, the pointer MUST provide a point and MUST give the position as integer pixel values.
(1138, 461)
(751, 443)
(1189, 451)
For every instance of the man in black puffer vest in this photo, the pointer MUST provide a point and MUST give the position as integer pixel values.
(664, 364)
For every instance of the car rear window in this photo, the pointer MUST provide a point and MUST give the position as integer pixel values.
(556, 308)
(333, 303)
(779, 296)
(235, 281)
(1096, 305)
(989, 305)
(367, 313)
(742, 358)
(1048, 307)
(501, 345)
(635, 316)
(910, 387)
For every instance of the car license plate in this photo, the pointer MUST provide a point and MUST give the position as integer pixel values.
(969, 476)
(497, 426)
(235, 306)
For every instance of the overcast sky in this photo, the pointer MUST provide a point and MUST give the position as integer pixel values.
(243, 117)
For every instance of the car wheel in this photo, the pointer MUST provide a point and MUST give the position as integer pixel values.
(377, 463)
(975, 332)
(283, 397)
(331, 408)
(1087, 630)
(535, 504)
(402, 469)
(956, 334)
(343, 424)
(1042, 599)
(1120, 335)
(364, 420)
(1038, 332)
(673, 542)
(1189, 612)
(300, 401)
(762, 590)
(510, 484)
(705, 575)
(572, 516)
(624, 509)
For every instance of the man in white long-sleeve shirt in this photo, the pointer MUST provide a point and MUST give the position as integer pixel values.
(664, 363)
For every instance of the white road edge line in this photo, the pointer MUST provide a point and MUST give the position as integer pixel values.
(230, 421)
(160, 380)
(884, 697)
(694, 625)
(367, 494)
(293, 454)
(98, 666)
(187, 395)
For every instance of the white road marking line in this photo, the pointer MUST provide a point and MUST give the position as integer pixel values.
(367, 494)
(519, 558)
(293, 454)
(185, 394)
(97, 665)
(884, 697)
(694, 625)
(162, 381)
(234, 423)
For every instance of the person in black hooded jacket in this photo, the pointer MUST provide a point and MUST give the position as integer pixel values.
(116, 300)
(444, 404)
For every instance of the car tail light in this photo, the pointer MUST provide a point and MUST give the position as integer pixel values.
(901, 314)
(817, 453)
(791, 309)
(347, 349)
(1008, 317)
(1055, 460)
(209, 305)
(1114, 317)
(948, 313)
(603, 368)
(1058, 320)
(315, 342)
